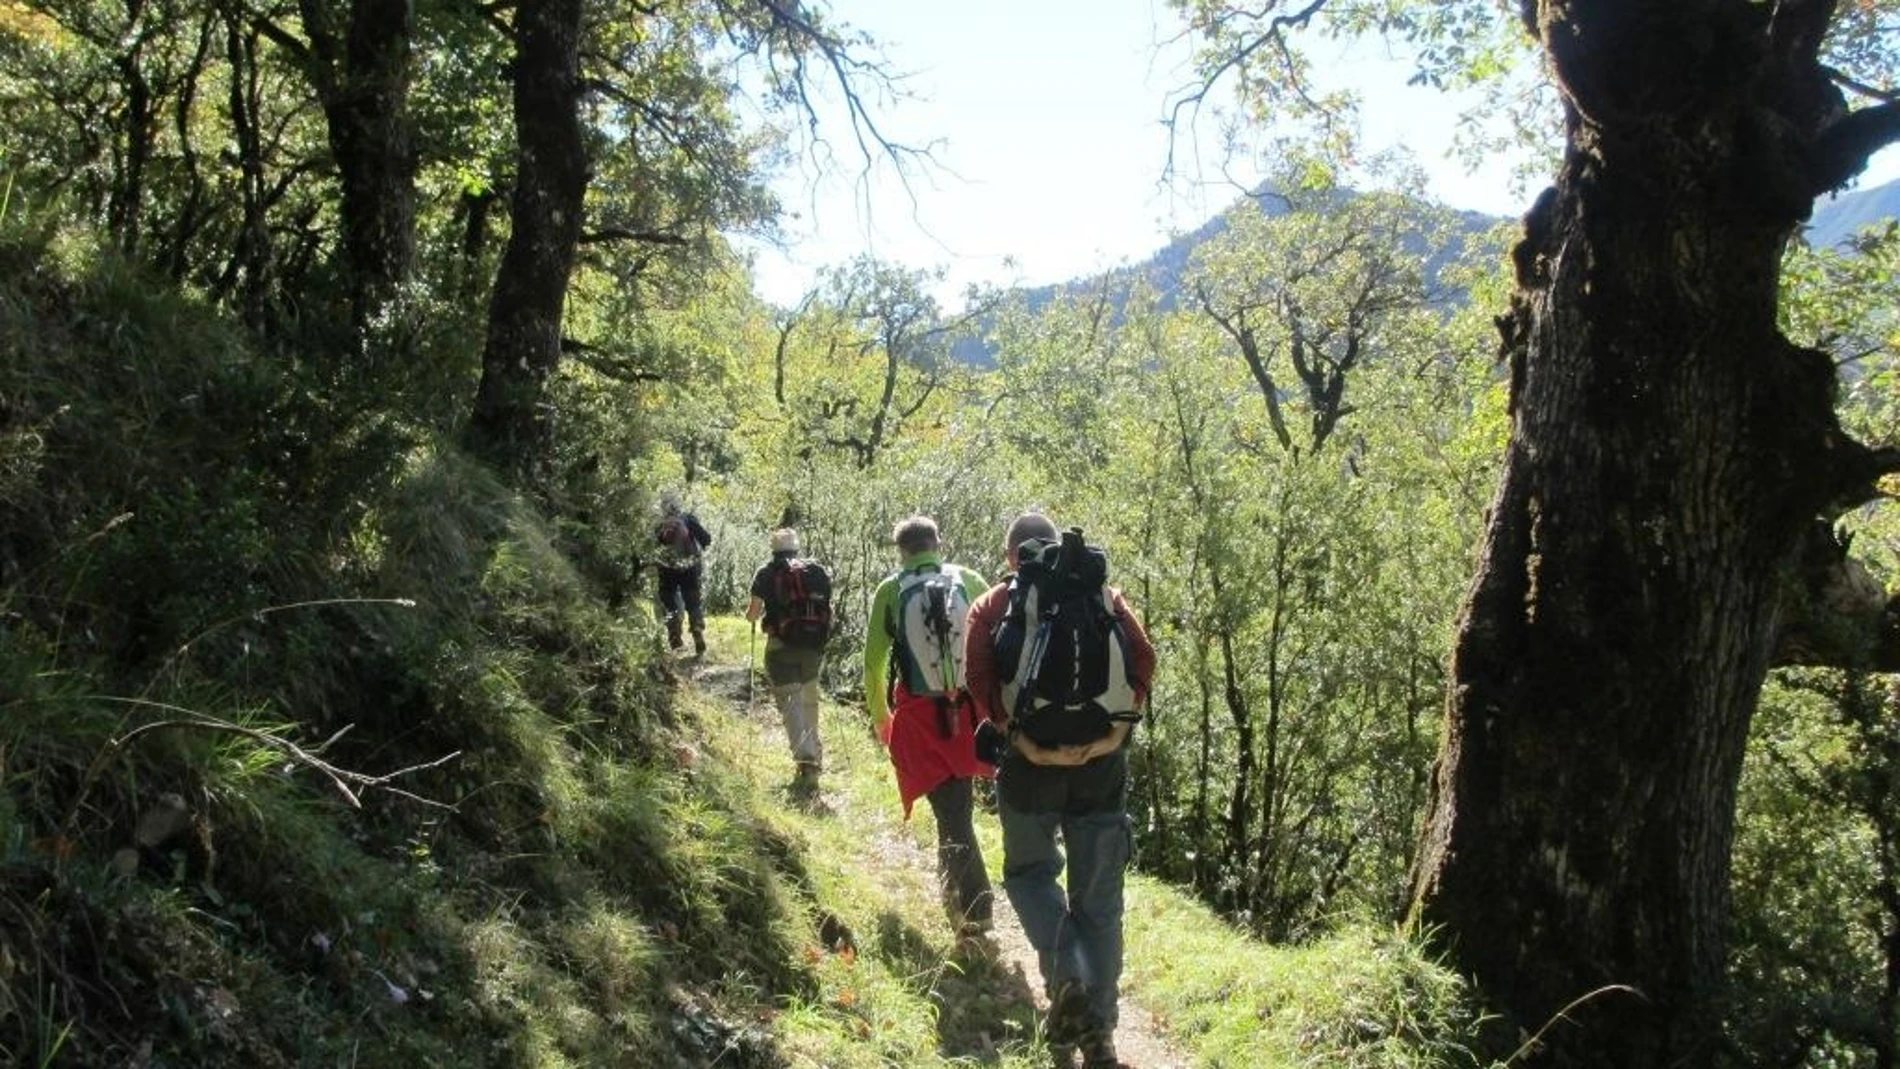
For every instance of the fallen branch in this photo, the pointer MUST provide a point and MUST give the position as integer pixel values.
(348, 783)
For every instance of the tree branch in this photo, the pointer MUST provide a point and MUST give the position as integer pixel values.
(1842, 150)
(1857, 87)
(347, 783)
(1838, 615)
(800, 34)
(649, 237)
(277, 35)
(618, 368)
(1191, 99)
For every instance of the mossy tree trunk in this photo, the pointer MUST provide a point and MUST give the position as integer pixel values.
(362, 76)
(1670, 452)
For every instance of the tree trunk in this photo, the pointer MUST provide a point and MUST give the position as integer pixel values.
(365, 95)
(125, 215)
(1669, 449)
(249, 272)
(510, 426)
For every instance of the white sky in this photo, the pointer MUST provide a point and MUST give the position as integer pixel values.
(1048, 117)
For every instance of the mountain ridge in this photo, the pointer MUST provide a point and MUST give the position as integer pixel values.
(1836, 219)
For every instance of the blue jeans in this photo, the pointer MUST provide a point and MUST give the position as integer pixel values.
(1077, 930)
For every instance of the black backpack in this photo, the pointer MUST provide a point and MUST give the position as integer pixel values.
(1062, 652)
(799, 610)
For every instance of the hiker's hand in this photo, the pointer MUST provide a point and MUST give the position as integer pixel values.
(1107, 744)
(990, 743)
(1052, 756)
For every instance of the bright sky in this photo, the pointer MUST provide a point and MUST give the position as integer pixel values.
(1047, 117)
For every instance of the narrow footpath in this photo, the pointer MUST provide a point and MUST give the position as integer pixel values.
(1006, 962)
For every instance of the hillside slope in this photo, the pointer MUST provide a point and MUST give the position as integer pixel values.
(1840, 217)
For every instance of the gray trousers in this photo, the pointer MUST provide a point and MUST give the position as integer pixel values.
(794, 672)
(1077, 929)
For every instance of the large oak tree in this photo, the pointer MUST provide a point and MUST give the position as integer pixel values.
(1671, 456)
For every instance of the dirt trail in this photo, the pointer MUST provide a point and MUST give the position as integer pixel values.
(1139, 1042)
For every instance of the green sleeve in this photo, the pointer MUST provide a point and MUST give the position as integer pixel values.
(974, 585)
(877, 651)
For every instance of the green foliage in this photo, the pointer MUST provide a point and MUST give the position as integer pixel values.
(1841, 302)
(302, 601)
(1815, 862)
(1362, 997)
(1817, 822)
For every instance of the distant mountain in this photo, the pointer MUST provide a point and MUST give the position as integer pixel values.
(1835, 219)
(1165, 269)
(1838, 218)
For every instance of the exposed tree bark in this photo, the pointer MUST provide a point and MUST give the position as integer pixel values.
(510, 425)
(362, 80)
(249, 270)
(1242, 332)
(192, 212)
(125, 213)
(1670, 450)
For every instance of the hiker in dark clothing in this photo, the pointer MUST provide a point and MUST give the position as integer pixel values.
(793, 596)
(1064, 769)
(681, 540)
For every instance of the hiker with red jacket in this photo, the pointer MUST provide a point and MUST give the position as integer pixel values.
(793, 595)
(681, 539)
(1059, 667)
(914, 693)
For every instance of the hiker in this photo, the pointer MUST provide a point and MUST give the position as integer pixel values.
(793, 594)
(681, 539)
(1059, 667)
(915, 695)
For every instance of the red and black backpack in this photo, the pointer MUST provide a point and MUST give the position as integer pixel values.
(799, 608)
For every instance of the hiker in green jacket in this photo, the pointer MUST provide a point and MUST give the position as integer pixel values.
(916, 697)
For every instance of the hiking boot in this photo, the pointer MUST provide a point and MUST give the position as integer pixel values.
(1098, 1052)
(805, 781)
(699, 643)
(1068, 1020)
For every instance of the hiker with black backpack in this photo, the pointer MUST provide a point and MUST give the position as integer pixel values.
(914, 692)
(793, 595)
(1060, 668)
(681, 539)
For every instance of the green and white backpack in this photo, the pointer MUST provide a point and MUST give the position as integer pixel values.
(932, 607)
